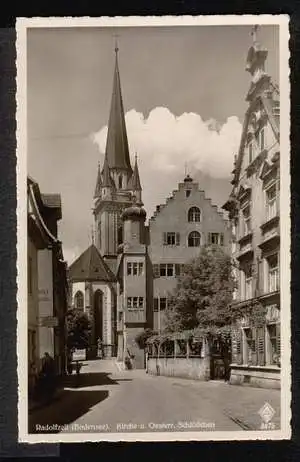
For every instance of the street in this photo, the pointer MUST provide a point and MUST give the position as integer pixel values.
(104, 398)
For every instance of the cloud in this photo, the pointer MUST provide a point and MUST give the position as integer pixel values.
(165, 142)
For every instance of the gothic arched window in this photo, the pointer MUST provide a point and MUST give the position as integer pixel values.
(120, 181)
(194, 239)
(78, 300)
(194, 214)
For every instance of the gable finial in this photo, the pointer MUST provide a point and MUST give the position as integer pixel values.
(116, 43)
(254, 30)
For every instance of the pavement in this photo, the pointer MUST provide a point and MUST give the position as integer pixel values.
(105, 398)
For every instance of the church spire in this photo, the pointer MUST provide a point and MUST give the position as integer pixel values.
(117, 151)
(134, 182)
(98, 184)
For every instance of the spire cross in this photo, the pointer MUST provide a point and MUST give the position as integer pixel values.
(254, 33)
(185, 168)
(116, 42)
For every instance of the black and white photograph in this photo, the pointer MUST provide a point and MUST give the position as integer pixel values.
(153, 228)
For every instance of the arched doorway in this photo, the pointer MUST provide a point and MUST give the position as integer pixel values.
(98, 317)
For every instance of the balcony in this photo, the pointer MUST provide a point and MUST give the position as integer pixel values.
(270, 233)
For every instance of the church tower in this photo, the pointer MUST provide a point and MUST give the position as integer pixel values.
(116, 182)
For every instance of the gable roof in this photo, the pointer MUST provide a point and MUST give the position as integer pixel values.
(90, 266)
(268, 106)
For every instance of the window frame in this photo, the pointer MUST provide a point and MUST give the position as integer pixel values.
(194, 214)
(275, 270)
(190, 239)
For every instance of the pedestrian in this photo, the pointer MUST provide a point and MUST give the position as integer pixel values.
(48, 376)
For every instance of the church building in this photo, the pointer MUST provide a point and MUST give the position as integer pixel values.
(123, 281)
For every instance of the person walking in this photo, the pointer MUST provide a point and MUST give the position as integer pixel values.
(48, 376)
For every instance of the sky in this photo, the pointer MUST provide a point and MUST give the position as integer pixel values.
(183, 90)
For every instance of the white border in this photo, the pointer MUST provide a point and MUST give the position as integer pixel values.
(21, 26)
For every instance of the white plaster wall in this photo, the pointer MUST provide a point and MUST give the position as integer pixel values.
(45, 285)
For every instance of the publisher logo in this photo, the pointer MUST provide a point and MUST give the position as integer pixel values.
(267, 413)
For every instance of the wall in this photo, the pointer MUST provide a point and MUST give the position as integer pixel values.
(189, 368)
(33, 307)
(45, 284)
(132, 347)
(262, 377)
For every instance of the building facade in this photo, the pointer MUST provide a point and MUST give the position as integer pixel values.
(253, 208)
(47, 282)
(141, 260)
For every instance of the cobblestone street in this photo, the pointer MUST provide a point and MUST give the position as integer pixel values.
(104, 398)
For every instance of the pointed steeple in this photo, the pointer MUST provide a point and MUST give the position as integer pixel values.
(117, 151)
(107, 181)
(134, 183)
(98, 184)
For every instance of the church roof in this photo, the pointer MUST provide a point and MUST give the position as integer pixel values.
(98, 184)
(117, 151)
(90, 266)
(134, 183)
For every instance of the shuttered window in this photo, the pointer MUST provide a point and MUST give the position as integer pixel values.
(261, 346)
(156, 271)
(171, 238)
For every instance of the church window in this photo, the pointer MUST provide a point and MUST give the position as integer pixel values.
(194, 214)
(78, 300)
(120, 182)
(194, 239)
(171, 238)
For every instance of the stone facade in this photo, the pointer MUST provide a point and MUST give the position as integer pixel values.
(253, 209)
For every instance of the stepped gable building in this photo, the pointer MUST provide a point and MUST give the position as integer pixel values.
(139, 262)
(187, 221)
(253, 208)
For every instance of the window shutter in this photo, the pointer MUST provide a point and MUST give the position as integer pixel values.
(278, 342)
(165, 240)
(237, 347)
(177, 269)
(222, 239)
(261, 346)
(209, 238)
(177, 238)
(254, 355)
(156, 273)
(155, 304)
